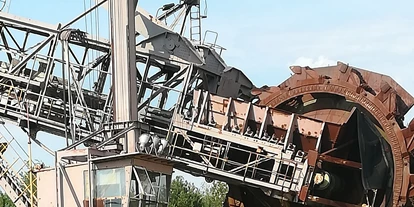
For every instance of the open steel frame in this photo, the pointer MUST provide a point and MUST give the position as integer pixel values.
(213, 127)
(44, 85)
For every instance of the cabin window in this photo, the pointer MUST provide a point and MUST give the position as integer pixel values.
(110, 183)
(149, 188)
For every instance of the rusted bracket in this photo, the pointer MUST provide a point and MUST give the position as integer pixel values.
(312, 159)
(408, 134)
(411, 188)
(388, 98)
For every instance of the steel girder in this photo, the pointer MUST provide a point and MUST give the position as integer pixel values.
(77, 112)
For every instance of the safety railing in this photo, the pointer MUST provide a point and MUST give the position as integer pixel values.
(285, 171)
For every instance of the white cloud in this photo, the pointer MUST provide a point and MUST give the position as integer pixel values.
(312, 62)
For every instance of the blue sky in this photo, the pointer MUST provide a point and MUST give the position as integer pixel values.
(263, 38)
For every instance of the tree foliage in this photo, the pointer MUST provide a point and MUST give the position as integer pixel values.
(184, 193)
(5, 201)
(214, 194)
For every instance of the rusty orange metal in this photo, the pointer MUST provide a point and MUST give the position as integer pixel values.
(379, 95)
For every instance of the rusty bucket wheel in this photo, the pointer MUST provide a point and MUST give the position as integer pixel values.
(340, 80)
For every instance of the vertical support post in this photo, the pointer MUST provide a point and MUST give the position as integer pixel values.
(64, 101)
(128, 176)
(58, 204)
(31, 172)
(246, 119)
(227, 124)
(124, 72)
(29, 145)
(290, 131)
(65, 55)
(59, 184)
(263, 126)
(319, 142)
(91, 181)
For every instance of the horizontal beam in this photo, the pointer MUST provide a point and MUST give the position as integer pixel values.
(340, 161)
(79, 142)
(117, 136)
(23, 23)
(44, 29)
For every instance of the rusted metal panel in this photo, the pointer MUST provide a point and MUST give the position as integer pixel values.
(312, 158)
(303, 195)
(242, 117)
(370, 82)
(96, 203)
(381, 96)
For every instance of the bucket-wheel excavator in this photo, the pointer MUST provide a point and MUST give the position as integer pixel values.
(326, 136)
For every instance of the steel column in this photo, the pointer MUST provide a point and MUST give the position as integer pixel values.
(65, 56)
(124, 66)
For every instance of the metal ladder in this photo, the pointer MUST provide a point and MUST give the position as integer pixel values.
(14, 171)
(195, 23)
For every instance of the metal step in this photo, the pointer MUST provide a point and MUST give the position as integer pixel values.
(13, 187)
(13, 167)
(195, 24)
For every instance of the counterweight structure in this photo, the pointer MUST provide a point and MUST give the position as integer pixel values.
(329, 136)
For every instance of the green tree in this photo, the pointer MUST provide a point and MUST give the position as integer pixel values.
(5, 201)
(184, 193)
(214, 194)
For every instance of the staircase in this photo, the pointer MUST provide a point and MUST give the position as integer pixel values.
(14, 171)
(13, 187)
